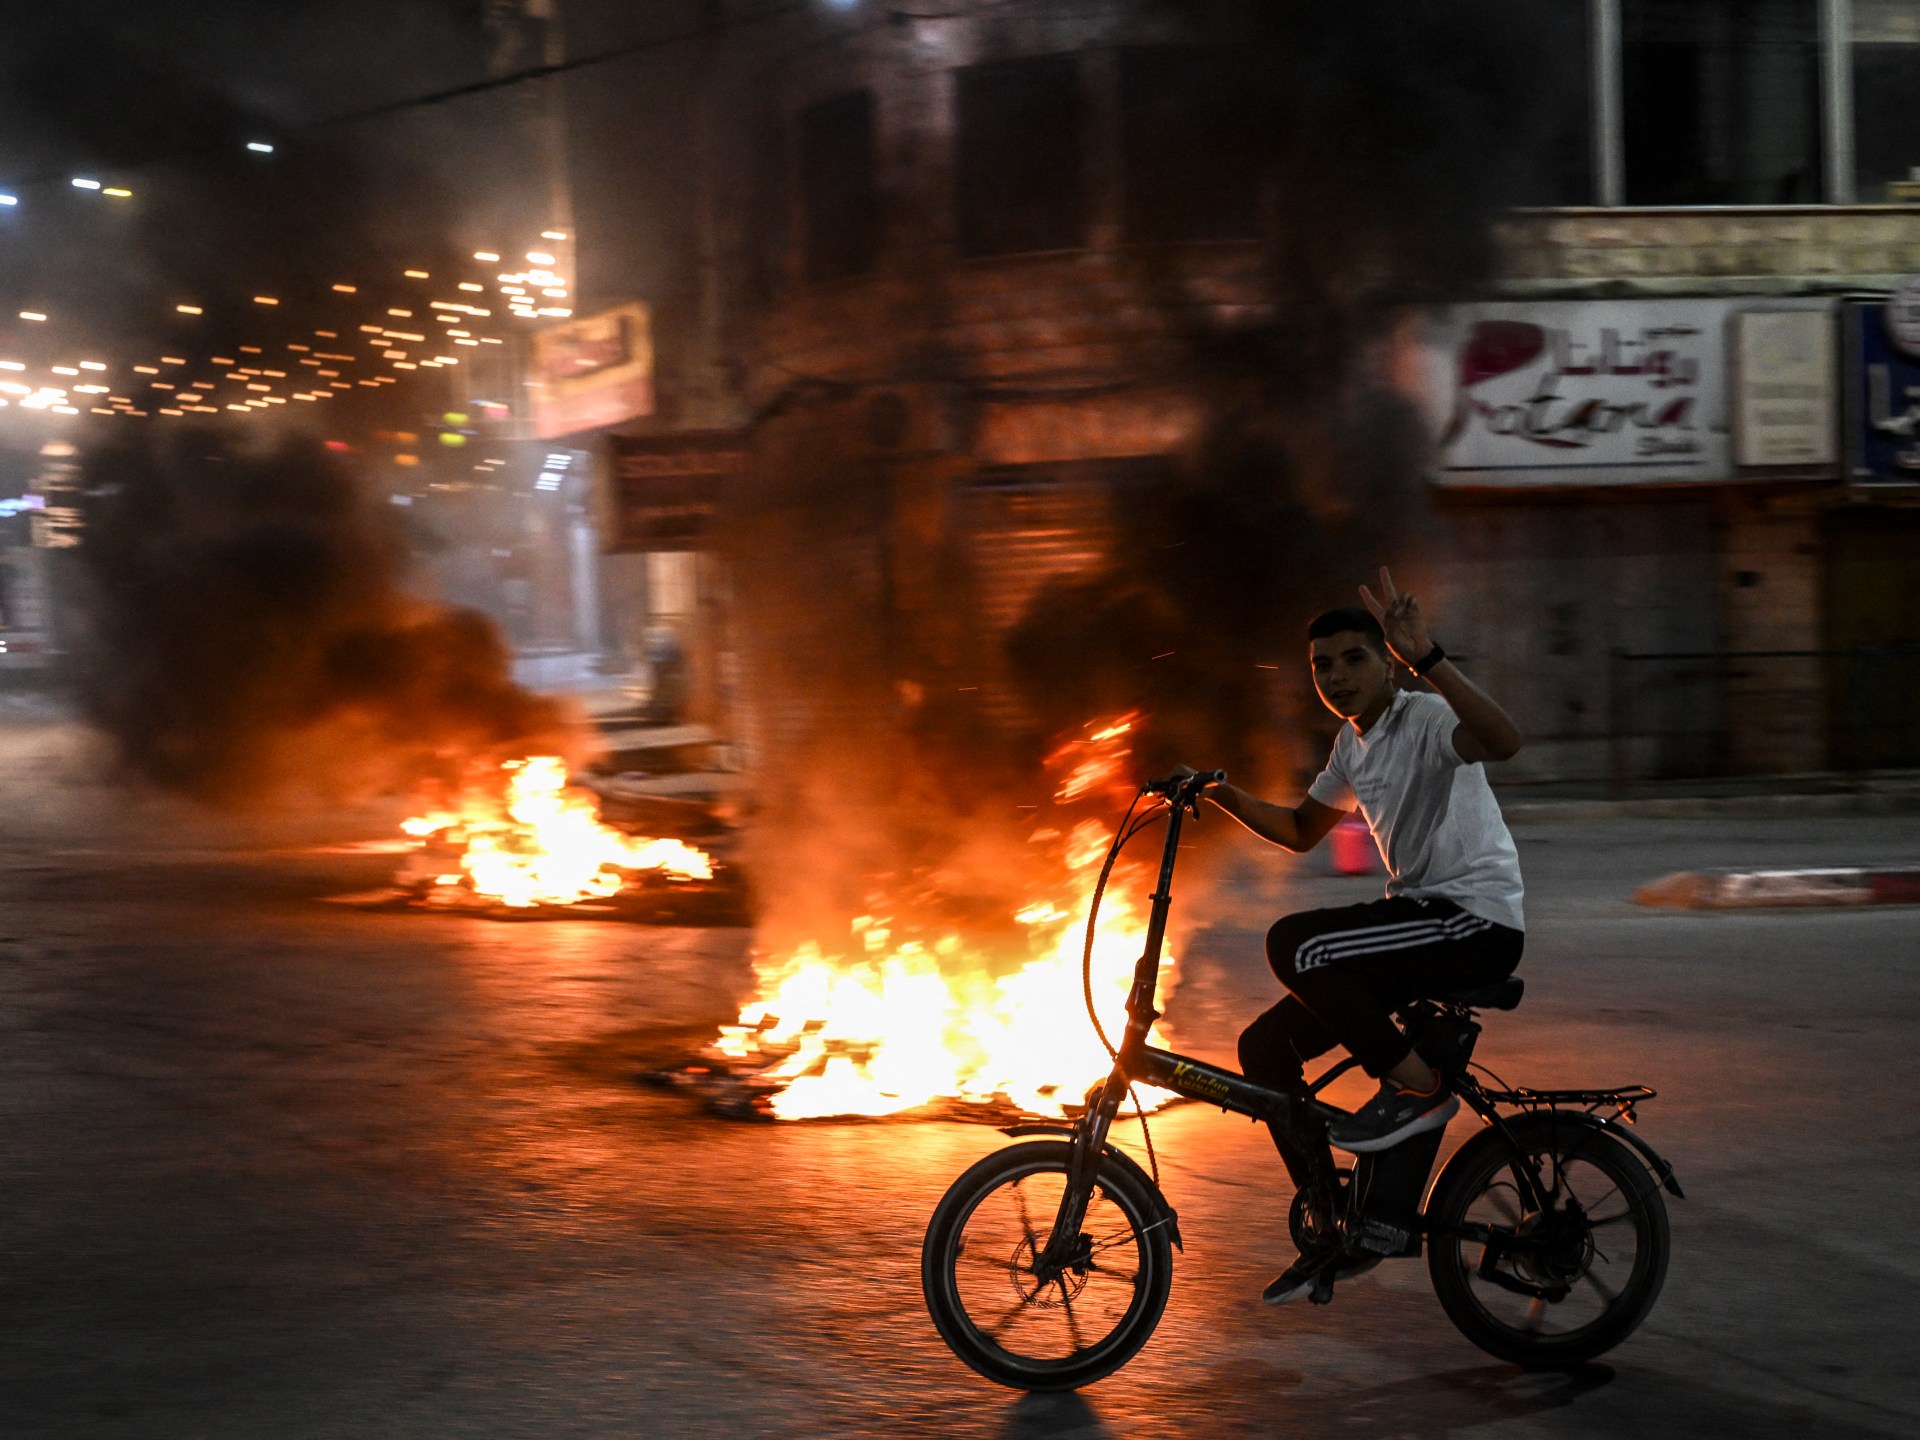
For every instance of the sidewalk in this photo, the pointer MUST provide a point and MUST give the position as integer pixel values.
(1878, 792)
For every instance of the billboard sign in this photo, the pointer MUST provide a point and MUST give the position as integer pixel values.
(1589, 392)
(1785, 390)
(1883, 400)
(1621, 392)
(592, 372)
(1903, 317)
(667, 489)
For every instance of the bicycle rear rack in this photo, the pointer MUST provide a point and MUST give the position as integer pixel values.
(1620, 1100)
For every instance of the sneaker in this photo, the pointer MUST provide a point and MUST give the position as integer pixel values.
(1299, 1279)
(1392, 1116)
(1312, 1270)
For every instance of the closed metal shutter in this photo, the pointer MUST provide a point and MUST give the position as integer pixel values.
(1029, 525)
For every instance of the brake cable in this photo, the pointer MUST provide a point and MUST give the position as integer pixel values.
(1128, 829)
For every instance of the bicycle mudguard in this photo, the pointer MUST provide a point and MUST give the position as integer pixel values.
(1496, 1136)
(1662, 1171)
(1126, 1162)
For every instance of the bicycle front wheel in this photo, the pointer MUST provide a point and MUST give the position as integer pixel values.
(1554, 1285)
(1035, 1331)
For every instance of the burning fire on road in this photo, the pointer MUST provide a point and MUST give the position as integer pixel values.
(891, 1017)
(521, 837)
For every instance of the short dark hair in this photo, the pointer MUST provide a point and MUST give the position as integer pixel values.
(1349, 617)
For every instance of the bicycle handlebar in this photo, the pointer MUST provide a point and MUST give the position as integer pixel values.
(1184, 789)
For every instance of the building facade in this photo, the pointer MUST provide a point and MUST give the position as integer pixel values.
(945, 292)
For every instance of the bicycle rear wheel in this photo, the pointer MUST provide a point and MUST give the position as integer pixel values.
(1044, 1332)
(1554, 1286)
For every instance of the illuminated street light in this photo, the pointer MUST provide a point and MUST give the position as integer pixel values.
(82, 183)
(6, 199)
(260, 147)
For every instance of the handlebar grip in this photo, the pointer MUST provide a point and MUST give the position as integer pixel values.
(1189, 786)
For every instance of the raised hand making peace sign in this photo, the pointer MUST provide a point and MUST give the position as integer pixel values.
(1399, 616)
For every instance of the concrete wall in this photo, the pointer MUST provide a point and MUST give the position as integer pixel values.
(1731, 251)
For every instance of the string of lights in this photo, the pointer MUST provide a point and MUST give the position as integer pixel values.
(176, 385)
(363, 348)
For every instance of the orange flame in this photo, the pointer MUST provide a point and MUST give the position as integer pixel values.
(541, 841)
(881, 1023)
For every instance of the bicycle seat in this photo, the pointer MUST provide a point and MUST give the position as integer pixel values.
(1502, 995)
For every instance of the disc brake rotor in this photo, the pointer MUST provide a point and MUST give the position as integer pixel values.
(1049, 1292)
(1560, 1249)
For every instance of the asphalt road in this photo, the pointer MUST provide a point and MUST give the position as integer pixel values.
(272, 1167)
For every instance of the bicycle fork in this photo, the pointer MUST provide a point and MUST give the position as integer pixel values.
(1066, 1244)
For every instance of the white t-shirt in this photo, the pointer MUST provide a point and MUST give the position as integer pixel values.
(1433, 815)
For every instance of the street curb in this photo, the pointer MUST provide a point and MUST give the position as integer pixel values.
(1684, 807)
(1749, 889)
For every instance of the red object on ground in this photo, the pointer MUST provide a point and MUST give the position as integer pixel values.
(1826, 885)
(1895, 887)
(1354, 852)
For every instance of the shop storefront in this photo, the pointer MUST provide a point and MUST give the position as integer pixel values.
(668, 610)
(1628, 489)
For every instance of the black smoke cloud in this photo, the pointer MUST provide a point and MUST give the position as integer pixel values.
(245, 635)
(1392, 136)
(240, 625)
(1389, 137)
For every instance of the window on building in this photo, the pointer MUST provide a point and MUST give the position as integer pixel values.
(839, 188)
(1561, 149)
(1019, 182)
(1886, 100)
(1721, 102)
(1190, 141)
(770, 212)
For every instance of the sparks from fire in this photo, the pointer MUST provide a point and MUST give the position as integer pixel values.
(538, 841)
(883, 1022)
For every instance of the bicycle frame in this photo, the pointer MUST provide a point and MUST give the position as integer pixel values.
(1135, 1061)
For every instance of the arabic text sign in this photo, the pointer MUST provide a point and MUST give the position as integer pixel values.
(1593, 392)
(1883, 402)
(592, 371)
(668, 488)
(1784, 388)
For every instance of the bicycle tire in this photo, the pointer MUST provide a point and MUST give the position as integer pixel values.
(958, 1277)
(1568, 1254)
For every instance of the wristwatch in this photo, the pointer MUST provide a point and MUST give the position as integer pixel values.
(1427, 661)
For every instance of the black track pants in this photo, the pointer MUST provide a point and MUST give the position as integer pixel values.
(1348, 968)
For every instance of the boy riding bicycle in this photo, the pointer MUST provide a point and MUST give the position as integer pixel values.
(1451, 917)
